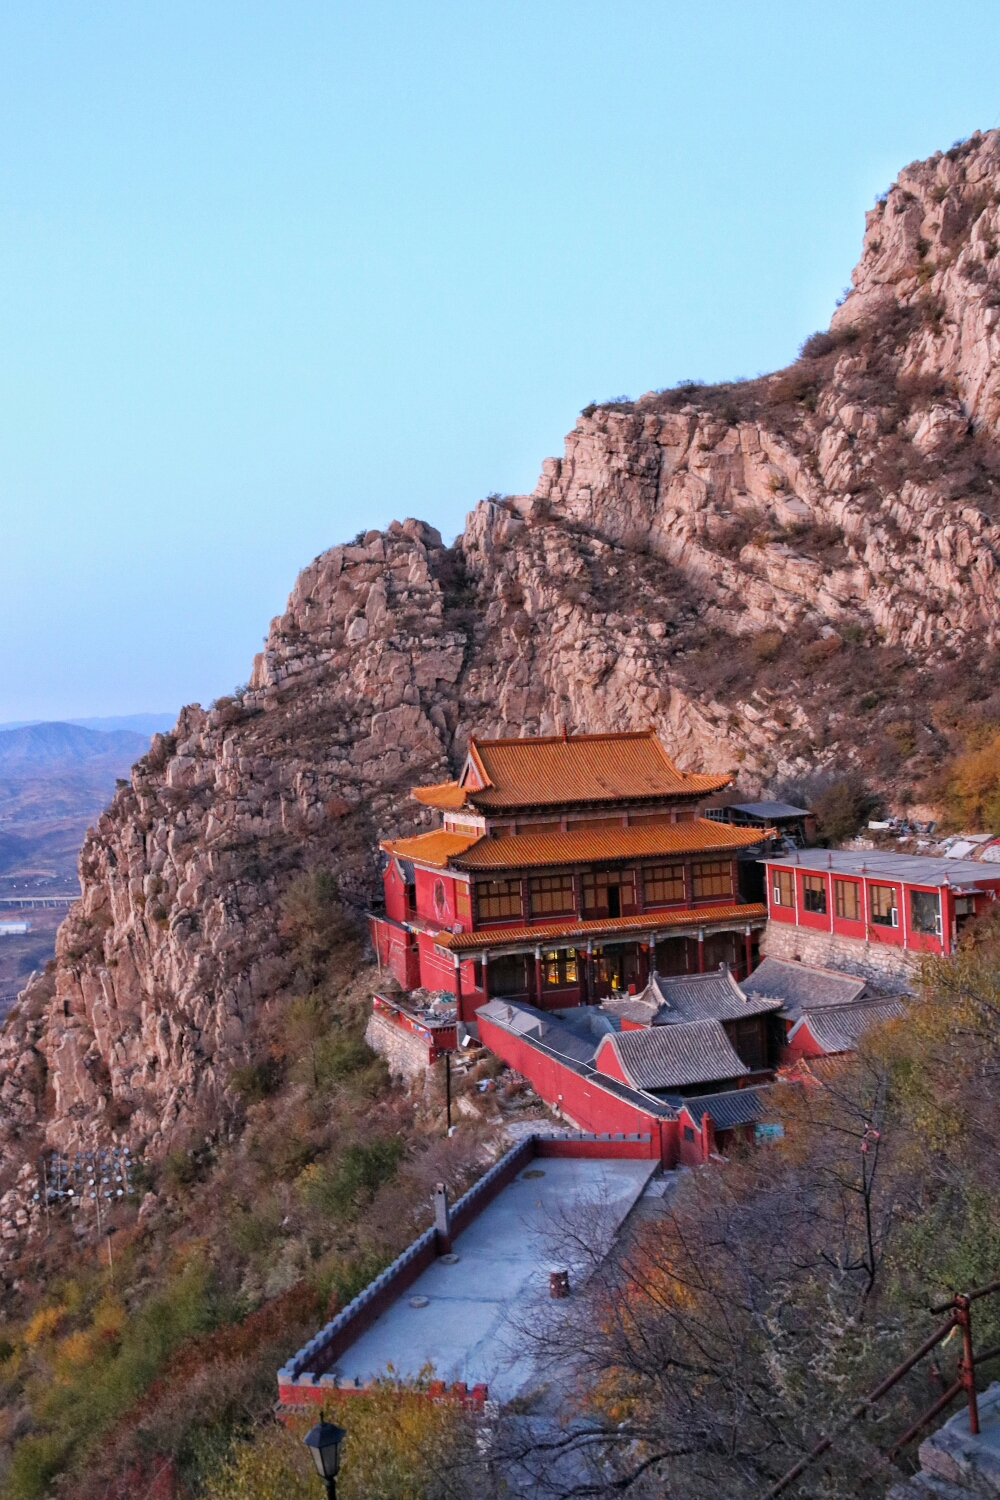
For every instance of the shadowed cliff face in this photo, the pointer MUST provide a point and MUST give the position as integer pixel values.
(734, 565)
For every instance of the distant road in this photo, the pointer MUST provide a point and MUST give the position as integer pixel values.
(53, 900)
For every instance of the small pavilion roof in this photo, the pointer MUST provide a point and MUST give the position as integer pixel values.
(665, 1057)
(436, 848)
(714, 996)
(800, 987)
(727, 1109)
(840, 1028)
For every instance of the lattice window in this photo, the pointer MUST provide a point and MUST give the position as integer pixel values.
(497, 899)
(550, 894)
(663, 883)
(712, 878)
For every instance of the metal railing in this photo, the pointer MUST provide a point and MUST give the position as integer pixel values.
(959, 1311)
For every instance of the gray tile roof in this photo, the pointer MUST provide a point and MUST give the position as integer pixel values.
(705, 997)
(917, 869)
(665, 1057)
(577, 1040)
(732, 1107)
(771, 809)
(839, 1028)
(801, 988)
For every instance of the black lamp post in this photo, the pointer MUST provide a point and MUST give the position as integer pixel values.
(323, 1442)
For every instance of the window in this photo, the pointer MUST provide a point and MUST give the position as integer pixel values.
(925, 911)
(814, 894)
(463, 903)
(497, 899)
(550, 893)
(847, 900)
(783, 891)
(882, 900)
(713, 878)
(608, 892)
(558, 969)
(688, 1133)
(663, 883)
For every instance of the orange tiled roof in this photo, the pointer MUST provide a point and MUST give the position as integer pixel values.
(447, 794)
(528, 850)
(435, 848)
(640, 925)
(539, 772)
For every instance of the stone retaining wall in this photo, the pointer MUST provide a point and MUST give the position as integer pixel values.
(885, 966)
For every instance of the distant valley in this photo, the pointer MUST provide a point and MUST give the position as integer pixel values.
(55, 778)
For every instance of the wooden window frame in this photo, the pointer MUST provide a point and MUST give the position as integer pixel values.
(840, 887)
(663, 876)
(551, 886)
(709, 872)
(502, 901)
(815, 886)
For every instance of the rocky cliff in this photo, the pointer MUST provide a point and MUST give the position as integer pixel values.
(780, 575)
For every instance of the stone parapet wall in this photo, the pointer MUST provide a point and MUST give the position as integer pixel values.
(885, 966)
(405, 1053)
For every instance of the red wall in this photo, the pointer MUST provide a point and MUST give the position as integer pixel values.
(395, 892)
(436, 897)
(581, 1098)
(396, 951)
(606, 1061)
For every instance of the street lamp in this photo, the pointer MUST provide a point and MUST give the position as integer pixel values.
(323, 1442)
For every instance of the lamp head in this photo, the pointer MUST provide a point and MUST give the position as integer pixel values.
(323, 1442)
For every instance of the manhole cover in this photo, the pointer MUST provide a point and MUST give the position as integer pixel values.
(419, 1301)
(535, 1172)
(448, 1260)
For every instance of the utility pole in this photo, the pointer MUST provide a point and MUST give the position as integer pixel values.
(447, 1087)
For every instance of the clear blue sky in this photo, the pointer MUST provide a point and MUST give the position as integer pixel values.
(274, 273)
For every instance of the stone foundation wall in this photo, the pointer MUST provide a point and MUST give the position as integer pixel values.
(405, 1053)
(884, 966)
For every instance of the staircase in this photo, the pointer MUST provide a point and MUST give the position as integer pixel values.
(953, 1463)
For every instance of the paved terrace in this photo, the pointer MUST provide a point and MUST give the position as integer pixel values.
(504, 1259)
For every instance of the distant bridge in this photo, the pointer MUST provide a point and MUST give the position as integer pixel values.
(47, 900)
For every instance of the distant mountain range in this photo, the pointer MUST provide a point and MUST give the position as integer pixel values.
(147, 724)
(64, 745)
(54, 780)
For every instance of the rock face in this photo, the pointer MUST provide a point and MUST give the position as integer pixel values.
(851, 498)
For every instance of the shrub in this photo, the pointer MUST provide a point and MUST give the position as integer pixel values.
(342, 1188)
(816, 345)
(256, 1081)
(843, 808)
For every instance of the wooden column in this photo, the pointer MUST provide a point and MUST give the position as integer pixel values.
(458, 990)
(591, 979)
(486, 976)
(538, 976)
(748, 949)
(701, 950)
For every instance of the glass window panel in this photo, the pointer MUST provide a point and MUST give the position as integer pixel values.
(814, 894)
(925, 912)
(847, 900)
(883, 904)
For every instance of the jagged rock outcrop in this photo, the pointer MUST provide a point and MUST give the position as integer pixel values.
(849, 501)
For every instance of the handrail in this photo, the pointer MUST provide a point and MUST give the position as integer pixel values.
(959, 1311)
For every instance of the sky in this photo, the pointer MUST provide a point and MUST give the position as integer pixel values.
(273, 274)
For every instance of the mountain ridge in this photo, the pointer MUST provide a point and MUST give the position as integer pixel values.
(787, 577)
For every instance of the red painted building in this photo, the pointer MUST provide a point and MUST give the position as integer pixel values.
(909, 902)
(565, 870)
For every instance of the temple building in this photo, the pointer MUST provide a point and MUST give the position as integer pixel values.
(565, 870)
